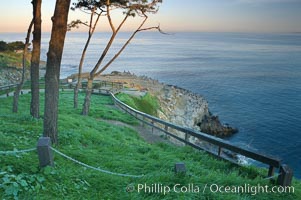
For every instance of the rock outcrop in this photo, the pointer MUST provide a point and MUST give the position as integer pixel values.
(191, 110)
(212, 125)
(13, 75)
(10, 76)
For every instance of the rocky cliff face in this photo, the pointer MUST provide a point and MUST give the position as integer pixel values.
(13, 75)
(10, 75)
(177, 105)
(182, 107)
(187, 109)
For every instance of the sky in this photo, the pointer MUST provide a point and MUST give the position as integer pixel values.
(178, 15)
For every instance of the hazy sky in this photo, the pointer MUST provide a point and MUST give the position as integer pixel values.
(181, 15)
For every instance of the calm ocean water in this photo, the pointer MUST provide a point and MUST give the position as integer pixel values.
(251, 81)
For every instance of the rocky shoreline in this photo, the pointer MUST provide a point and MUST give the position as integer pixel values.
(177, 105)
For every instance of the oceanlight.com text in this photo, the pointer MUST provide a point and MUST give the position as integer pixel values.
(249, 189)
(158, 188)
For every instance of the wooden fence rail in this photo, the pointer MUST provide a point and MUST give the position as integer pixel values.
(7, 87)
(187, 132)
(114, 86)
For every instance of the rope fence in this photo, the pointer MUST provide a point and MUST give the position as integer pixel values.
(71, 159)
(272, 177)
(281, 174)
(89, 166)
(17, 151)
(94, 168)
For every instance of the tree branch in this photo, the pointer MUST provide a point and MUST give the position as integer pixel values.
(125, 45)
(95, 23)
(105, 51)
(25, 51)
(109, 17)
(91, 19)
(153, 27)
(75, 24)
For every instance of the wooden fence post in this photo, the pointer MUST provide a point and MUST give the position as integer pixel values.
(219, 151)
(180, 168)
(166, 131)
(186, 137)
(152, 122)
(45, 152)
(166, 128)
(143, 123)
(271, 171)
(285, 176)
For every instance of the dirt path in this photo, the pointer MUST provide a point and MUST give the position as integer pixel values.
(145, 132)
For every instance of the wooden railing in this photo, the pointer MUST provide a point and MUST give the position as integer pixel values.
(103, 87)
(188, 134)
(7, 87)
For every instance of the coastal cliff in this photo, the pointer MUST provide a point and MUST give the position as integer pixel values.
(182, 107)
(177, 105)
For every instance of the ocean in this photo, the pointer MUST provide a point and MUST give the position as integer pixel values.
(252, 81)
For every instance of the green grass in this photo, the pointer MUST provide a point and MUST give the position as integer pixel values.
(147, 103)
(116, 148)
(11, 59)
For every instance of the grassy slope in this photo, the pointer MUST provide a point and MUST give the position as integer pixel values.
(114, 148)
(12, 59)
(147, 104)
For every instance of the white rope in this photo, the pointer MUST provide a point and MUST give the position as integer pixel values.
(94, 168)
(271, 177)
(17, 151)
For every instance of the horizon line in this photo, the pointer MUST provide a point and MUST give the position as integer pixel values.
(172, 31)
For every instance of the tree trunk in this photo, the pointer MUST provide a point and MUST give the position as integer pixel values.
(87, 102)
(54, 57)
(16, 97)
(20, 85)
(80, 69)
(79, 77)
(75, 98)
(35, 60)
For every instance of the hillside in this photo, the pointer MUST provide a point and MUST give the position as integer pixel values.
(108, 139)
(11, 67)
